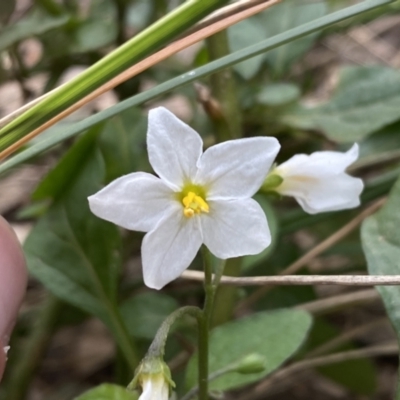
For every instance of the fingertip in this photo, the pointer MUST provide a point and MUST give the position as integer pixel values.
(13, 280)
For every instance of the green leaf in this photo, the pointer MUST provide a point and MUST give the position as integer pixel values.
(98, 30)
(278, 94)
(144, 313)
(278, 19)
(54, 184)
(380, 235)
(286, 15)
(72, 252)
(276, 335)
(243, 35)
(139, 13)
(366, 99)
(107, 391)
(123, 144)
(35, 23)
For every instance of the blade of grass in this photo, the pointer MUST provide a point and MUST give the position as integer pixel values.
(221, 14)
(195, 74)
(111, 65)
(141, 66)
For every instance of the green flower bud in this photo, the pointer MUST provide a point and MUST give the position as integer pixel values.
(251, 364)
(153, 376)
(272, 181)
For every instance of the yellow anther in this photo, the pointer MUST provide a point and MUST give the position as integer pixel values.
(194, 204)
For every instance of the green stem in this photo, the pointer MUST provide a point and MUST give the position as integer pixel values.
(30, 355)
(204, 325)
(157, 347)
(224, 90)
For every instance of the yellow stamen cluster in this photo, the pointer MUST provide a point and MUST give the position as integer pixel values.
(194, 204)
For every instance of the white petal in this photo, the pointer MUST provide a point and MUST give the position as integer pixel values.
(155, 388)
(319, 182)
(341, 192)
(136, 201)
(236, 168)
(169, 249)
(318, 164)
(174, 147)
(235, 228)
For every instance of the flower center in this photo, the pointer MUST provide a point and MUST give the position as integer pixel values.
(194, 204)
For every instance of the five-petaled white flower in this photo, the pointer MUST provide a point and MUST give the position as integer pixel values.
(319, 181)
(198, 198)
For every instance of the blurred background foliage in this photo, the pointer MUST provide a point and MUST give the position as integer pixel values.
(88, 319)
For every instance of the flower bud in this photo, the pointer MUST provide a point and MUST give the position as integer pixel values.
(154, 377)
(271, 182)
(251, 364)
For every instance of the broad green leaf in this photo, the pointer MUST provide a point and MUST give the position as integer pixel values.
(98, 30)
(139, 13)
(286, 15)
(243, 35)
(194, 75)
(123, 144)
(107, 391)
(381, 244)
(35, 23)
(144, 313)
(276, 335)
(75, 254)
(278, 19)
(278, 94)
(54, 184)
(93, 32)
(70, 250)
(366, 99)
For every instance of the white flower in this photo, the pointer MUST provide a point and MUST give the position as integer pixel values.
(198, 198)
(319, 182)
(154, 387)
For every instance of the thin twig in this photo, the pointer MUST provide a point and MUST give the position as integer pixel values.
(142, 66)
(317, 250)
(337, 303)
(301, 280)
(260, 390)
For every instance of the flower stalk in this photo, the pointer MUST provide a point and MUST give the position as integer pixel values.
(210, 288)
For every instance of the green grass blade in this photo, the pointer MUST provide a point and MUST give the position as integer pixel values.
(114, 63)
(193, 75)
